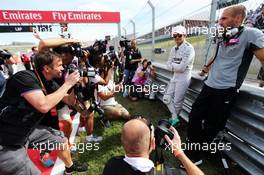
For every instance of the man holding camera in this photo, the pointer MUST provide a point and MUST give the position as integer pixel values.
(132, 58)
(138, 141)
(180, 63)
(228, 70)
(30, 96)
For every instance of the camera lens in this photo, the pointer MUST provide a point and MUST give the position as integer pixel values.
(162, 130)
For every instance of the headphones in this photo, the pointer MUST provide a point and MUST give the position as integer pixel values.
(232, 33)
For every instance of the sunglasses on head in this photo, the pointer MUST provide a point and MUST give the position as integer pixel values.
(177, 35)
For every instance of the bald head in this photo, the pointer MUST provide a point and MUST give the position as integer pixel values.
(237, 10)
(135, 137)
(134, 43)
(233, 16)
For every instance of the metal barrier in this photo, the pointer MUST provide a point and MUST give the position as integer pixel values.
(244, 128)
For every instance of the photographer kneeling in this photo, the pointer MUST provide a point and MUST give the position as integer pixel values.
(142, 74)
(112, 109)
(30, 96)
(138, 141)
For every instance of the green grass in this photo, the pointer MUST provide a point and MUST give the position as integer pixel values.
(111, 144)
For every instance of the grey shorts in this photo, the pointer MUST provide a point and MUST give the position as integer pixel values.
(108, 109)
(15, 161)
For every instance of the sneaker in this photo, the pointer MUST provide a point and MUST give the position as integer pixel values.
(46, 159)
(105, 122)
(94, 138)
(174, 121)
(73, 148)
(76, 167)
(125, 93)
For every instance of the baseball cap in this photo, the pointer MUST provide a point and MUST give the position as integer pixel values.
(178, 29)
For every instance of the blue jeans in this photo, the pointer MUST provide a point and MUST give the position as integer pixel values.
(128, 76)
(2, 84)
(127, 80)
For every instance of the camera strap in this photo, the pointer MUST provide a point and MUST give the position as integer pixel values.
(39, 79)
(53, 111)
(217, 49)
(159, 158)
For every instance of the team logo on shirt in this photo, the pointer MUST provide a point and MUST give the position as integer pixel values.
(177, 60)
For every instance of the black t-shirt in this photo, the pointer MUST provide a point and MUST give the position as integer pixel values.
(50, 120)
(25, 81)
(117, 166)
(18, 84)
(132, 55)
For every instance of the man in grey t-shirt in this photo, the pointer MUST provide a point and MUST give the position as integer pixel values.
(211, 109)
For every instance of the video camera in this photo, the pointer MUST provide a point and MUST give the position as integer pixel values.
(125, 43)
(5, 55)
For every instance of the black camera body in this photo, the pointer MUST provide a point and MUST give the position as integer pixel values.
(126, 44)
(149, 63)
(4, 55)
(161, 130)
(88, 72)
(74, 49)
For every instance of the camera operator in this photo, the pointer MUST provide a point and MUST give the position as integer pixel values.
(138, 141)
(30, 96)
(142, 74)
(6, 60)
(106, 93)
(132, 58)
(228, 70)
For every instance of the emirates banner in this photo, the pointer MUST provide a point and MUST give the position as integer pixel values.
(26, 16)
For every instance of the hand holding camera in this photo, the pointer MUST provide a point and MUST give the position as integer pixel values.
(175, 142)
(72, 79)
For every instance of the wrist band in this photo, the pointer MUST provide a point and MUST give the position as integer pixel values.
(177, 153)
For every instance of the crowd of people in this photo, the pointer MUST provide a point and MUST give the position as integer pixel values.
(61, 78)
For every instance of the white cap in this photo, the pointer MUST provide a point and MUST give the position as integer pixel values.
(178, 29)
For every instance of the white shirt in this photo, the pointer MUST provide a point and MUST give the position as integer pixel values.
(105, 89)
(142, 164)
(181, 61)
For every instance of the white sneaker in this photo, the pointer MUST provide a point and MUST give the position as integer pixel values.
(93, 138)
(73, 148)
(82, 129)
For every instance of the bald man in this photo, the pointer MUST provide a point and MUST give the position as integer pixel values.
(138, 141)
(228, 70)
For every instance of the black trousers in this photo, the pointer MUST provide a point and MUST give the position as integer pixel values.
(209, 113)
